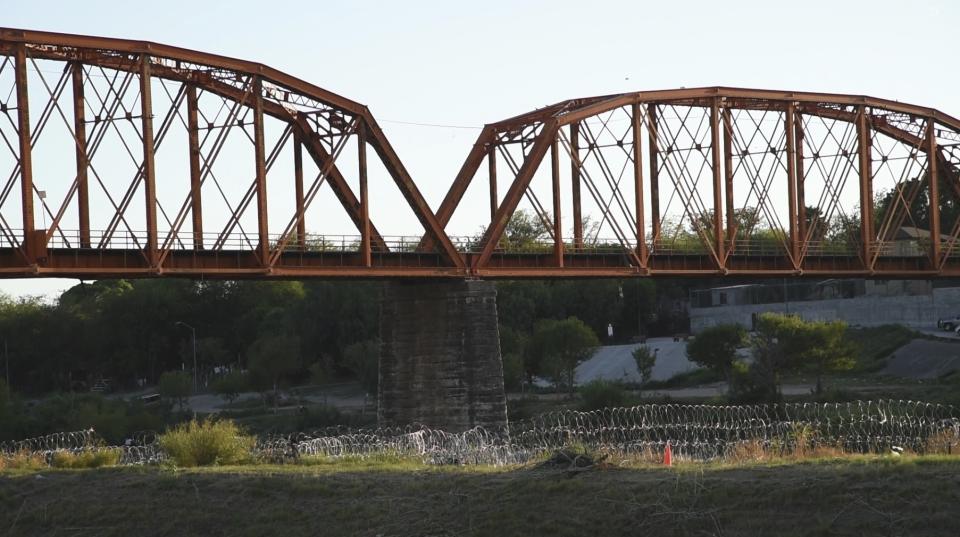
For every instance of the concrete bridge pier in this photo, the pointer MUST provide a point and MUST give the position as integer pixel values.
(440, 362)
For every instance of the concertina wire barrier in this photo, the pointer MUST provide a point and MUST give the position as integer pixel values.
(694, 432)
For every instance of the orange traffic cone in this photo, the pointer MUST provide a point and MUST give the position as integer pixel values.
(667, 455)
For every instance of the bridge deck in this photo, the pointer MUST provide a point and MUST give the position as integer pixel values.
(132, 263)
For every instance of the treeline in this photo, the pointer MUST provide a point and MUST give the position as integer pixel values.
(128, 331)
(131, 332)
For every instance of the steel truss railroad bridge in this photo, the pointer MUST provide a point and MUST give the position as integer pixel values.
(691, 182)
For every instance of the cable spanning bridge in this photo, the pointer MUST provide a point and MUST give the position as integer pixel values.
(126, 158)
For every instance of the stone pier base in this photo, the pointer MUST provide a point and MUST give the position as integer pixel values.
(440, 362)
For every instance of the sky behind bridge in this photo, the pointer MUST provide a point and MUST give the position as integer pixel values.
(434, 72)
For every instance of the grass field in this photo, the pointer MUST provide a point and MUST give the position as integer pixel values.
(911, 496)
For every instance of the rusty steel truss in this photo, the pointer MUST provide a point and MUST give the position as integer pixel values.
(704, 181)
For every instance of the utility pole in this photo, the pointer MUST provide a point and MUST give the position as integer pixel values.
(6, 357)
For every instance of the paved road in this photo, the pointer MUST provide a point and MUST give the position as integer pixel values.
(342, 396)
(615, 362)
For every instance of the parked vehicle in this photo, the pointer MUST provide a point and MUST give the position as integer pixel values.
(949, 324)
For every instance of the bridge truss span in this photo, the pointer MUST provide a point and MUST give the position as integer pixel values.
(123, 158)
(721, 181)
(107, 198)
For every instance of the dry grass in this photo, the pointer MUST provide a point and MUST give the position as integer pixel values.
(909, 495)
(22, 460)
(94, 458)
(945, 442)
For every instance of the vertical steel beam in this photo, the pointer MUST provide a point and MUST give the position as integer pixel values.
(80, 133)
(26, 160)
(492, 172)
(364, 199)
(149, 171)
(193, 137)
(521, 182)
(864, 146)
(654, 173)
(575, 184)
(298, 190)
(717, 181)
(933, 174)
(792, 212)
(263, 230)
(728, 177)
(555, 181)
(801, 177)
(638, 185)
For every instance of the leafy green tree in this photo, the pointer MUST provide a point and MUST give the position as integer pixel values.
(212, 351)
(716, 348)
(827, 349)
(270, 359)
(524, 229)
(776, 344)
(645, 359)
(513, 372)
(363, 359)
(784, 342)
(176, 385)
(747, 222)
(231, 385)
(559, 346)
(512, 344)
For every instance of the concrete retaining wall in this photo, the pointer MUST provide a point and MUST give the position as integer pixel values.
(920, 311)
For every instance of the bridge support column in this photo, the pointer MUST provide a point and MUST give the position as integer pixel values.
(440, 362)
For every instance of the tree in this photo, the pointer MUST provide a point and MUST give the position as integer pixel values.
(512, 344)
(176, 385)
(776, 345)
(231, 385)
(784, 342)
(908, 203)
(270, 359)
(645, 359)
(828, 349)
(363, 360)
(212, 351)
(746, 222)
(559, 346)
(524, 229)
(716, 348)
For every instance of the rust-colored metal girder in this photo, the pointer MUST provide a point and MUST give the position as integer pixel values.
(718, 162)
(797, 146)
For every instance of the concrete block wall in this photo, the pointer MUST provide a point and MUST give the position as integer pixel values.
(440, 363)
(916, 311)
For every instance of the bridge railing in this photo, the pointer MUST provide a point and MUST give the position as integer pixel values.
(343, 243)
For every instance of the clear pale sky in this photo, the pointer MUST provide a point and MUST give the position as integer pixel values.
(469, 63)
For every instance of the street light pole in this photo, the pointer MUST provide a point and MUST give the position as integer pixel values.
(193, 334)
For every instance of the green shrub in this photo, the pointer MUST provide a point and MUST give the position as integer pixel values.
(207, 442)
(599, 394)
(86, 459)
(694, 377)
